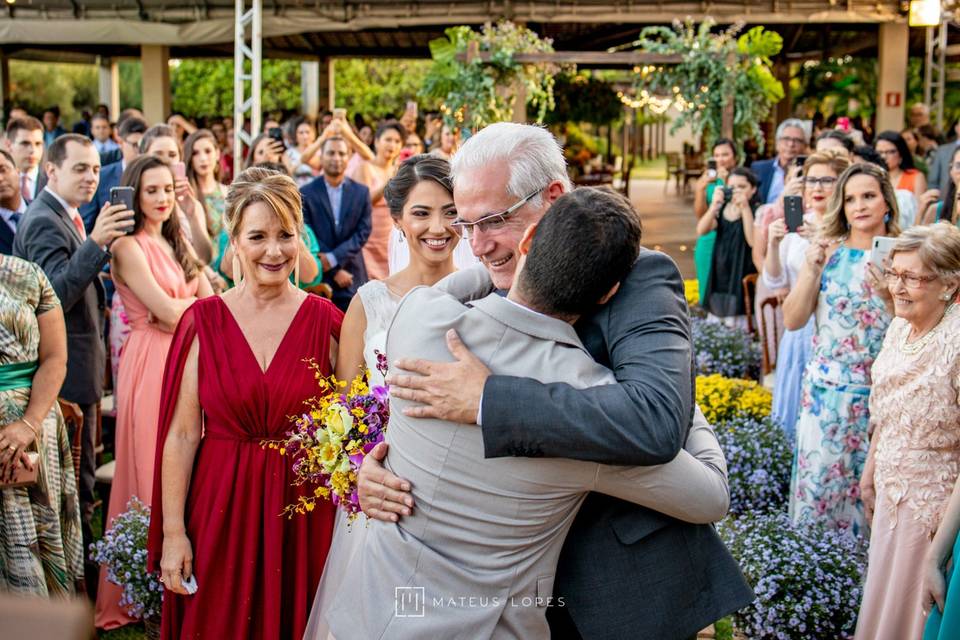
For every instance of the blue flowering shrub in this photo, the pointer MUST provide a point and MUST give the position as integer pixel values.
(123, 549)
(719, 349)
(759, 462)
(808, 579)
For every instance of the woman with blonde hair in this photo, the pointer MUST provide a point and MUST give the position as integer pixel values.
(852, 308)
(914, 457)
(781, 268)
(217, 498)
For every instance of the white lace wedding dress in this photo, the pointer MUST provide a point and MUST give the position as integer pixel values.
(379, 306)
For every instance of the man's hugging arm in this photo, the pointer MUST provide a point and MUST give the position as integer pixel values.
(467, 284)
(692, 487)
(641, 420)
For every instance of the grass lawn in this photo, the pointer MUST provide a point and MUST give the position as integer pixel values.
(655, 169)
(129, 632)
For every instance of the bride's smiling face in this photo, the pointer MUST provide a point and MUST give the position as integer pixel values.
(427, 220)
(267, 251)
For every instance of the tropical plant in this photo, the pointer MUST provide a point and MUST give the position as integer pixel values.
(482, 90)
(715, 70)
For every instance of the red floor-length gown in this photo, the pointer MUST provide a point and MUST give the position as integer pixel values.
(256, 570)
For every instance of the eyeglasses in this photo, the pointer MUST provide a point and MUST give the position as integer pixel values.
(955, 166)
(492, 222)
(910, 280)
(825, 182)
(793, 140)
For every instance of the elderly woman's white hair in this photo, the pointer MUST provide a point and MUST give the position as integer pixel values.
(533, 155)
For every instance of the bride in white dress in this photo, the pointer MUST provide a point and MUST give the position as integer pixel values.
(420, 197)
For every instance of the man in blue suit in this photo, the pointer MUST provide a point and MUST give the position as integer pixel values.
(792, 140)
(131, 130)
(338, 211)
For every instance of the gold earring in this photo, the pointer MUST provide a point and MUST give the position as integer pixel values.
(296, 271)
(237, 271)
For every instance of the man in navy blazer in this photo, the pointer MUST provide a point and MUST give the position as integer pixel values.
(338, 211)
(12, 204)
(131, 130)
(792, 140)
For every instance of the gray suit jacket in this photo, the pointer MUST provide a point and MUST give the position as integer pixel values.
(940, 168)
(484, 539)
(677, 577)
(47, 237)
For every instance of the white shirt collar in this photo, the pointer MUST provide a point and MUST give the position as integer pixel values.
(71, 211)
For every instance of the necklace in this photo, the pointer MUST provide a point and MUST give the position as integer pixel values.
(918, 345)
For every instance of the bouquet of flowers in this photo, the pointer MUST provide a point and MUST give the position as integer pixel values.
(720, 349)
(123, 549)
(808, 578)
(330, 439)
(759, 463)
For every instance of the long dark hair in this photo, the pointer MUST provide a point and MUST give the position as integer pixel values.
(192, 140)
(170, 230)
(948, 211)
(894, 138)
(412, 172)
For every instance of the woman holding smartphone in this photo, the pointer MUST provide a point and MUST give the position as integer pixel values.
(786, 247)
(202, 159)
(158, 277)
(723, 161)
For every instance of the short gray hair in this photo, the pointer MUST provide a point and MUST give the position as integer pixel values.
(793, 122)
(534, 157)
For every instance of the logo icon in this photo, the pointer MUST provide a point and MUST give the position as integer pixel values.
(409, 602)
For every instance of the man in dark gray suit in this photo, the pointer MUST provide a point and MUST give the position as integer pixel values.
(625, 571)
(51, 234)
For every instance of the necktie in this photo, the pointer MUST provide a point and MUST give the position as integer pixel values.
(15, 219)
(78, 223)
(25, 188)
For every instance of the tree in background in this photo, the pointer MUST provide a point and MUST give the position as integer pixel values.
(380, 87)
(38, 85)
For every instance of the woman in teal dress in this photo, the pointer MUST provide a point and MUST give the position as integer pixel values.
(941, 593)
(852, 308)
(725, 155)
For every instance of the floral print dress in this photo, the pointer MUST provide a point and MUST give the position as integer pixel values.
(832, 440)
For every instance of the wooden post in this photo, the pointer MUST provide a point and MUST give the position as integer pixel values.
(519, 101)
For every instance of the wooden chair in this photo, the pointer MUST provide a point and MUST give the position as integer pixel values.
(674, 170)
(749, 292)
(768, 309)
(73, 417)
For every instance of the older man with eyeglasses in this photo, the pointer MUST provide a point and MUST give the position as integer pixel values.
(625, 571)
(792, 141)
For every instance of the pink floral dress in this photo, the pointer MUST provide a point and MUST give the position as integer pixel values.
(832, 440)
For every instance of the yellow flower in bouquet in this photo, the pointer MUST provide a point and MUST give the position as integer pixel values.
(723, 398)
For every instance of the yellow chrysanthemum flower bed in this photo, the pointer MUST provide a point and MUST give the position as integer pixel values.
(723, 398)
(691, 289)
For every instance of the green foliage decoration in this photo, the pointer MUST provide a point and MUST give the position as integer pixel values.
(479, 92)
(715, 67)
(584, 98)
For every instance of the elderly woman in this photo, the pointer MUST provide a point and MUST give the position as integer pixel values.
(216, 499)
(41, 550)
(914, 457)
(781, 268)
(852, 308)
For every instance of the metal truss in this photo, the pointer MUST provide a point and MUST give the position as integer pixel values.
(246, 107)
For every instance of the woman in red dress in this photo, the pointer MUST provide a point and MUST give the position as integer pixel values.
(234, 373)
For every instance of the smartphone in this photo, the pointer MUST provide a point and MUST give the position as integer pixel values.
(793, 212)
(340, 114)
(712, 168)
(800, 160)
(727, 194)
(882, 246)
(276, 133)
(843, 124)
(179, 171)
(412, 107)
(124, 196)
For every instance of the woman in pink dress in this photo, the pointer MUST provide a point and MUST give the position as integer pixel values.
(914, 457)
(157, 276)
(375, 174)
